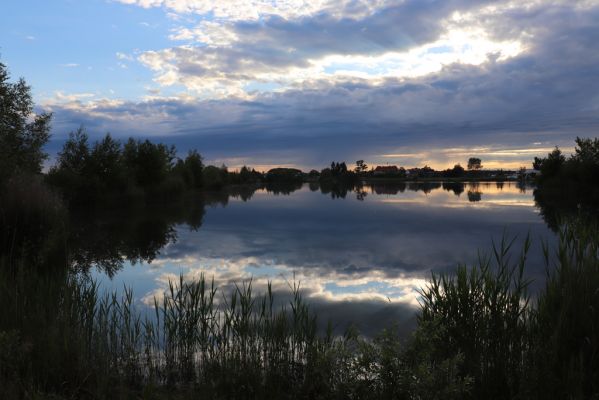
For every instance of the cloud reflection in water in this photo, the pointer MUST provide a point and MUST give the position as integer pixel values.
(357, 261)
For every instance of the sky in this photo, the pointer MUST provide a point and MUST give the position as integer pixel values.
(300, 83)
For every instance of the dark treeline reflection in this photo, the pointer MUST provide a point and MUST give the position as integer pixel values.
(474, 190)
(107, 238)
(555, 208)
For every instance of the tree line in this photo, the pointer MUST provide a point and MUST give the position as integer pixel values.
(134, 169)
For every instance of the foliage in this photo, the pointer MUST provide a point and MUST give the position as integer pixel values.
(482, 313)
(214, 177)
(581, 168)
(109, 170)
(565, 356)
(456, 172)
(551, 165)
(245, 176)
(361, 166)
(477, 337)
(284, 175)
(32, 223)
(21, 138)
(191, 169)
(150, 162)
(569, 185)
(474, 164)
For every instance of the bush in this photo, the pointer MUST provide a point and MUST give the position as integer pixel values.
(32, 222)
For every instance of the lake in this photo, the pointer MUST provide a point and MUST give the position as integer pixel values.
(359, 255)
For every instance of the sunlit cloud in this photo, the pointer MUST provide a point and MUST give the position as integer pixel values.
(494, 157)
(254, 9)
(410, 83)
(323, 285)
(225, 58)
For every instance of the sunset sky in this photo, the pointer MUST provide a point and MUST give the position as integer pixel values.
(303, 82)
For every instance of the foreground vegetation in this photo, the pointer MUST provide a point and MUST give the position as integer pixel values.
(479, 335)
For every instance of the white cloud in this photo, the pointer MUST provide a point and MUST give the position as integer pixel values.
(253, 9)
(229, 57)
(322, 284)
(124, 56)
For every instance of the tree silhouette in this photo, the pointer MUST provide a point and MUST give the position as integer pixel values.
(474, 164)
(21, 139)
(361, 166)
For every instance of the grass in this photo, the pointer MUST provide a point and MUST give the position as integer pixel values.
(479, 335)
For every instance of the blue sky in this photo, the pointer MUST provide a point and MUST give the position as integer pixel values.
(302, 82)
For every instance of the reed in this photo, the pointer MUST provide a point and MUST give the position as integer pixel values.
(565, 323)
(479, 335)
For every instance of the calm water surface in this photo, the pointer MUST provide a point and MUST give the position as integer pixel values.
(359, 256)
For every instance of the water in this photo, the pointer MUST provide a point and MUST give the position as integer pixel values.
(360, 255)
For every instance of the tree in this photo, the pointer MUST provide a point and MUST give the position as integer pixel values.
(552, 165)
(537, 163)
(587, 151)
(361, 166)
(194, 166)
(105, 163)
(148, 162)
(75, 152)
(458, 170)
(474, 164)
(21, 142)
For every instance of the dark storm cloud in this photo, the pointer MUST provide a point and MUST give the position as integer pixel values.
(547, 93)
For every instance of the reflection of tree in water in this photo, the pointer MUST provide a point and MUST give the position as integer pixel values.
(242, 192)
(283, 188)
(425, 187)
(107, 238)
(388, 188)
(360, 192)
(523, 186)
(456, 187)
(337, 189)
(473, 186)
(474, 196)
(557, 206)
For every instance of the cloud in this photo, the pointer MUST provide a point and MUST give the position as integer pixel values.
(123, 56)
(255, 9)
(224, 57)
(371, 258)
(544, 92)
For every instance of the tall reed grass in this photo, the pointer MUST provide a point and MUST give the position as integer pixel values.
(479, 335)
